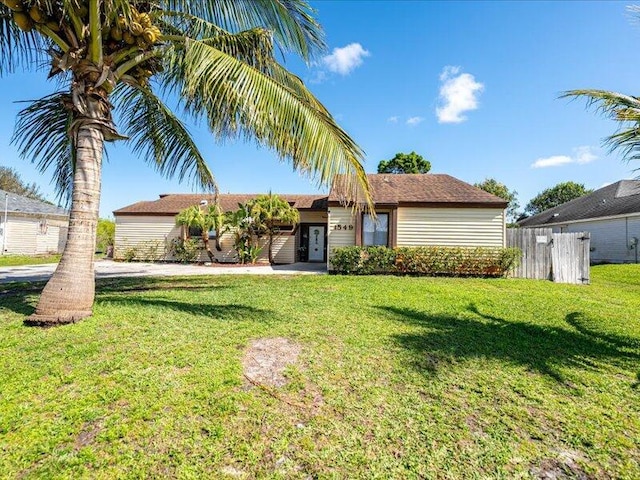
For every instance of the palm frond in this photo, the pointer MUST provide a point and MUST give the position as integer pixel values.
(160, 137)
(622, 108)
(238, 100)
(291, 21)
(41, 136)
(17, 48)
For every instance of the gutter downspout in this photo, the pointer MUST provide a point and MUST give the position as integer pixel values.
(4, 226)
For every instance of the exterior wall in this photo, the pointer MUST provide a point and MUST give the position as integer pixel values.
(455, 227)
(610, 239)
(144, 234)
(24, 235)
(336, 238)
(151, 237)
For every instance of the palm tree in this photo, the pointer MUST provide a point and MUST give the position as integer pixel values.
(215, 60)
(621, 108)
(210, 218)
(270, 212)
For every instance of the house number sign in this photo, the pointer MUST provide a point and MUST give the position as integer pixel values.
(343, 227)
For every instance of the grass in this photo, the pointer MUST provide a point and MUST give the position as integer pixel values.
(398, 378)
(18, 260)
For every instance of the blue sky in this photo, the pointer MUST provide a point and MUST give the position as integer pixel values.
(471, 86)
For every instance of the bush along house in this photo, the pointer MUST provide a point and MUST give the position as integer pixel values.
(410, 210)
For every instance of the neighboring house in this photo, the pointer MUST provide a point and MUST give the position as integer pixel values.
(411, 210)
(611, 215)
(31, 227)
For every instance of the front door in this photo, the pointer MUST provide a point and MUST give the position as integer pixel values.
(316, 243)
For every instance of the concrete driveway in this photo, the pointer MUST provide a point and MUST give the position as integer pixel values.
(111, 269)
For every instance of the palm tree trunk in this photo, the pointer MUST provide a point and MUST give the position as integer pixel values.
(207, 246)
(69, 294)
(270, 248)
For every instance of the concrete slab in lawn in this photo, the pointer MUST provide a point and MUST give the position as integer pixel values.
(111, 269)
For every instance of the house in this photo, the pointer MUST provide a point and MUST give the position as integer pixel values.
(31, 227)
(611, 215)
(411, 210)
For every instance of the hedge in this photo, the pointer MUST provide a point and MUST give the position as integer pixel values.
(449, 261)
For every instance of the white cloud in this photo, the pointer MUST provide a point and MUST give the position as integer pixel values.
(584, 154)
(413, 121)
(343, 60)
(458, 94)
(554, 161)
(393, 119)
(581, 156)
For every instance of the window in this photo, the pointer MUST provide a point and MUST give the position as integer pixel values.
(375, 232)
(194, 232)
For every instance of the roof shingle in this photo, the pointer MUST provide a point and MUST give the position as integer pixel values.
(619, 198)
(21, 204)
(173, 203)
(428, 188)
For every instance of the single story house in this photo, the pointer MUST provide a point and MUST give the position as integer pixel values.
(411, 210)
(31, 227)
(610, 214)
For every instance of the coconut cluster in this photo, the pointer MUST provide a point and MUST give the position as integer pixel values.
(26, 15)
(119, 34)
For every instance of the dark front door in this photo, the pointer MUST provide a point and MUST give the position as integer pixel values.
(313, 243)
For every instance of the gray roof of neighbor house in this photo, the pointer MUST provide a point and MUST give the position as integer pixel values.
(173, 203)
(428, 189)
(619, 198)
(21, 204)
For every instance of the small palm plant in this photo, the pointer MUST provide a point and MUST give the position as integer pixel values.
(270, 212)
(205, 219)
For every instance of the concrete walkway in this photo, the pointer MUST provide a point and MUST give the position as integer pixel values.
(111, 269)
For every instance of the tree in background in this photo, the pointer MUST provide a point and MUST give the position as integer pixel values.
(554, 196)
(216, 58)
(491, 185)
(405, 163)
(205, 218)
(10, 181)
(269, 213)
(105, 235)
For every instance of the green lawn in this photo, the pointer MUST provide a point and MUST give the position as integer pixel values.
(398, 378)
(18, 260)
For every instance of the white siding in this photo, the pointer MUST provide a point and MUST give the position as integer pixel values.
(340, 216)
(151, 236)
(456, 227)
(145, 235)
(22, 234)
(25, 237)
(610, 239)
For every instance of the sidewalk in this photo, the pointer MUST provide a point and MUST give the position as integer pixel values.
(111, 269)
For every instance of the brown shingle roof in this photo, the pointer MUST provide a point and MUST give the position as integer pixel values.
(428, 188)
(171, 204)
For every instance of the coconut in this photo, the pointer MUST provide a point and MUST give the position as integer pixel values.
(149, 36)
(37, 15)
(136, 29)
(116, 33)
(145, 20)
(128, 38)
(15, 5)
(23, 21)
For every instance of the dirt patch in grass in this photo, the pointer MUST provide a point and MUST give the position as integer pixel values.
(266, 360)
(564, 466)
(87, 435)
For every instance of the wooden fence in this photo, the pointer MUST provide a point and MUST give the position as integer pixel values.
(561, 257)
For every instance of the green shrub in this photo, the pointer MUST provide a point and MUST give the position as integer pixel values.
(185, 251)
(452, 261)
